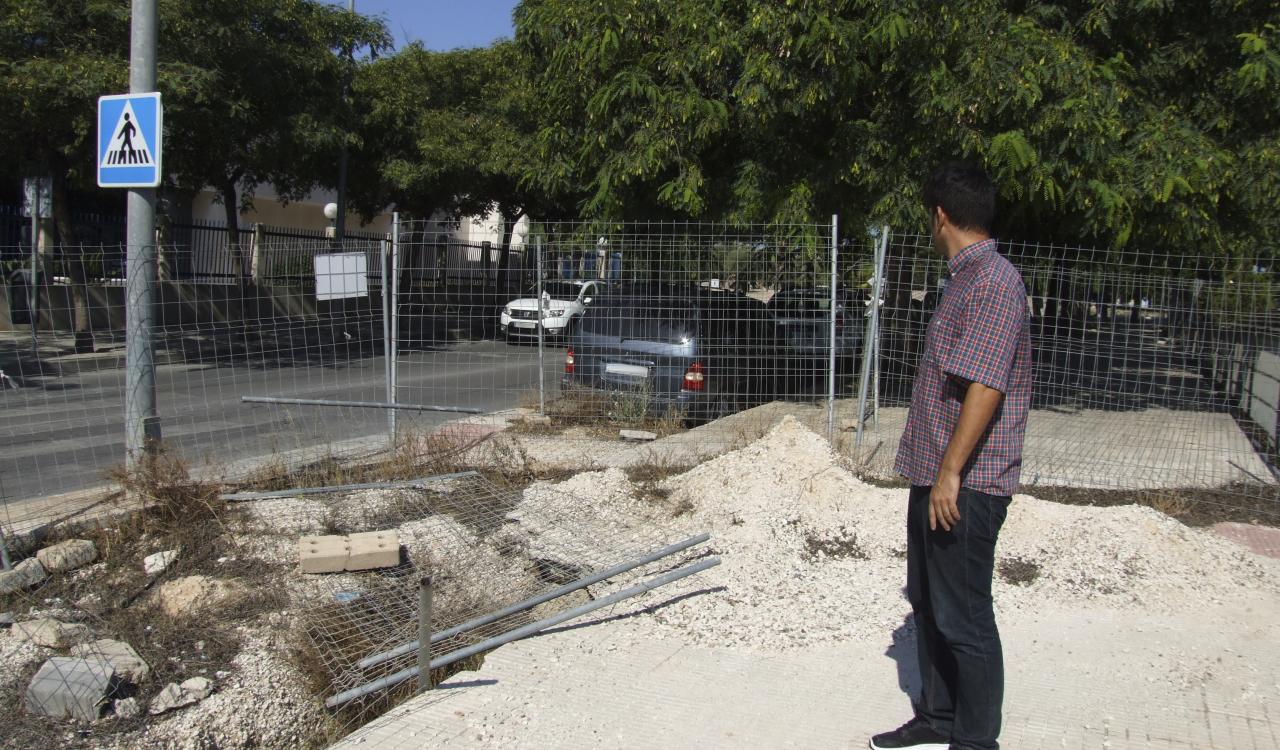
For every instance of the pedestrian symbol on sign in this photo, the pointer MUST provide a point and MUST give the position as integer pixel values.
(123, 150)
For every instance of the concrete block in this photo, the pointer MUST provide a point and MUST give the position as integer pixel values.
(6, 619)
(68, 555)
(374, 549)
(69, 688)
(637, 435)
(24, 575)
(51, 633)
(119, 655)
(323, 554)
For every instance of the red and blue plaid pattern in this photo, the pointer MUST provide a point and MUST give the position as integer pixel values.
(979, 333)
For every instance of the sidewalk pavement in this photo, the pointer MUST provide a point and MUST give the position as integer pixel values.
(1086, 679)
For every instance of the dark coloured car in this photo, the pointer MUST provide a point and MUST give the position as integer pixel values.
(696, 352)
(804, 319)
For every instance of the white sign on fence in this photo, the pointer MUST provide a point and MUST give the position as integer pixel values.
(341, 275)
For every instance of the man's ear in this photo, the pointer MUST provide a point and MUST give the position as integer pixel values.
(940, 217)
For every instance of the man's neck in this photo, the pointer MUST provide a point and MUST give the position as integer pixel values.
(958, 240)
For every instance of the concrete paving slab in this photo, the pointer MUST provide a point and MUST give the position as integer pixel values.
(1263, 540)
(1075, 679)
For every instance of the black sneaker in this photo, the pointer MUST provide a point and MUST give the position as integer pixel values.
(915, 734)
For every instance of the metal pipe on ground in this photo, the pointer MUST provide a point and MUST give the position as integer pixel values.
(424, 634)
(531, 602)
(344, 487)
(358, 404)
(407, 674)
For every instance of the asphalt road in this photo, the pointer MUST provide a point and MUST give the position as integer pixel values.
(61, 434)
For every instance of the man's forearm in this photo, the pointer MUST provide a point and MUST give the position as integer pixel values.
(980, 404)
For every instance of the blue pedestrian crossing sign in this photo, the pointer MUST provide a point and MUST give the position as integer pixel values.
(130, 131)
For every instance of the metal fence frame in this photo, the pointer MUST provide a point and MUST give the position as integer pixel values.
(276, 328)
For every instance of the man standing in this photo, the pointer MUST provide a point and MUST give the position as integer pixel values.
(962, 451)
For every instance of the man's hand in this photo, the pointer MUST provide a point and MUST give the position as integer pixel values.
(943, 501)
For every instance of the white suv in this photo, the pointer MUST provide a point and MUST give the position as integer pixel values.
(563, 303)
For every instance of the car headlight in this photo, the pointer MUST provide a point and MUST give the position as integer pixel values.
(507, 310)
(555, 313)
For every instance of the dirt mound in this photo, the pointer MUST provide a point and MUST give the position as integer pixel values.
(811, 553)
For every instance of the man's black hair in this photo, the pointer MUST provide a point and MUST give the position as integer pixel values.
(965, 193)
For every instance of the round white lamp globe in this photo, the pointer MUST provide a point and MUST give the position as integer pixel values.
(331, 211)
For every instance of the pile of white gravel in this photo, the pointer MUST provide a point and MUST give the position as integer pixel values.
(590, 520)
(811, 554)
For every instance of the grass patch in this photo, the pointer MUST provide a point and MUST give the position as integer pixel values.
(602, 413)
(649, 475)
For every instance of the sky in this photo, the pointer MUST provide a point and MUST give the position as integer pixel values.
(442, 24)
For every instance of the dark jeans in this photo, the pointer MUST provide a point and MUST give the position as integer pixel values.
(949, 587)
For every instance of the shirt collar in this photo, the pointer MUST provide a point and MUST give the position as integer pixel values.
(969, 253)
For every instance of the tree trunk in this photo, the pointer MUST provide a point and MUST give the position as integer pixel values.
(509, 221)
(232, 206)
(72, 254)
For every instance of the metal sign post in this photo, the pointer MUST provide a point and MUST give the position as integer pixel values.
(130, 131)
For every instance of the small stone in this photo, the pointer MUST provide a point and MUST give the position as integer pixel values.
(170, 698)
(120, 655)
(6, 619)
(91, 603)
(50, 633)
(637, 435)
(127, 708)
(69, 688)
(198, 688)
(156, 564)
(24, 575)
(68, 555)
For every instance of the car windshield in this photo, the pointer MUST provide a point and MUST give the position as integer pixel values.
(561, 290)
(668, 320)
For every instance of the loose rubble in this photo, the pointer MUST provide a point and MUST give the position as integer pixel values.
(184, 597)
(50, 633)
(120, 656)
(67, 556)
(24, 575)
(154, 565)
(70, 688)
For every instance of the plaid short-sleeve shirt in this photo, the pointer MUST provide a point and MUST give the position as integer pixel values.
(979, 333)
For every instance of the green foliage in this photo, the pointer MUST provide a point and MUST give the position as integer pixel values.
(1120, 124)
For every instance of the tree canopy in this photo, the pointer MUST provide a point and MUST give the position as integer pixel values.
(1116, 123)
(1134, 125)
